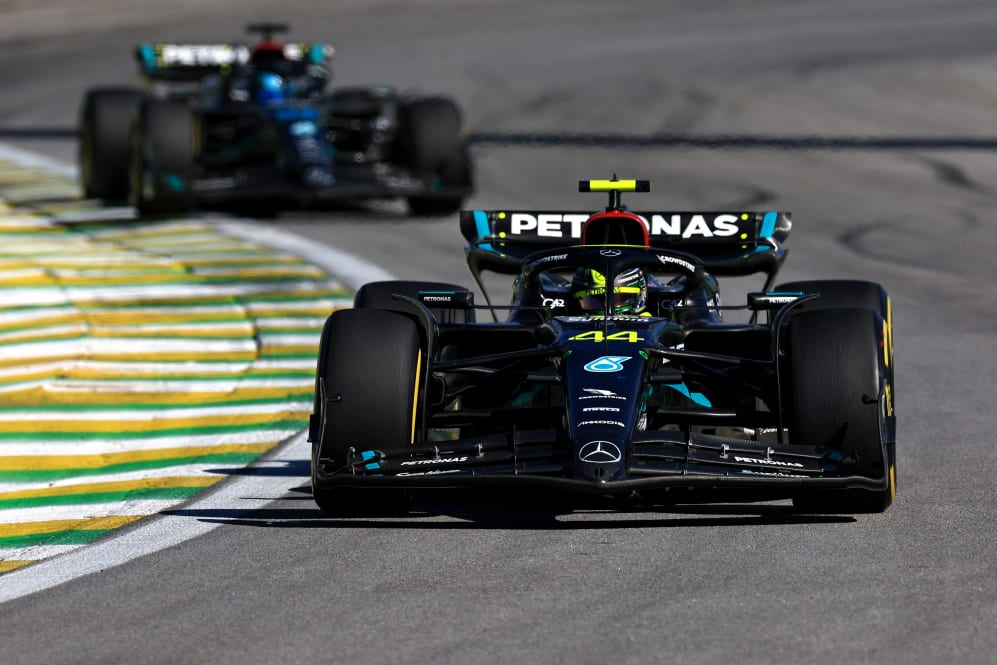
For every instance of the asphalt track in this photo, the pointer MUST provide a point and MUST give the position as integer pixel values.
(694, 584)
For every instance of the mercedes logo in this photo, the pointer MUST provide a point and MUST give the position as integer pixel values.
(600, 452)
(609, 252)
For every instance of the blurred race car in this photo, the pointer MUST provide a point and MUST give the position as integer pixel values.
(615, 371)
(255, 126)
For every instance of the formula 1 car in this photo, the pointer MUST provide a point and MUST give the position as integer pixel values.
(230, 124)
(615, 372)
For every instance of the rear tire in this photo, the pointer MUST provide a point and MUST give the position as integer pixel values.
(435, 150)
(104, 121)
(369, 365)
(840, 393)
(162, 165)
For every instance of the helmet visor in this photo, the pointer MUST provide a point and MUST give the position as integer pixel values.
(625, 298)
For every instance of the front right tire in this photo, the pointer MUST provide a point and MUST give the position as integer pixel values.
(163, 145)
(436, 151)
(840, 394)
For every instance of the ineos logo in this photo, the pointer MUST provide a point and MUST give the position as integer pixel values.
(600, 452)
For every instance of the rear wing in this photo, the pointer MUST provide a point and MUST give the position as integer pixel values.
(728, 243)
(163, 61)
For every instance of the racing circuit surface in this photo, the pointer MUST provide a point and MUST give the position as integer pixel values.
(278, 581)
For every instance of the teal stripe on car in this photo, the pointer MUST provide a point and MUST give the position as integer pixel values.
(698, 398)
(481, 226)
(768, 224)
(148, 56)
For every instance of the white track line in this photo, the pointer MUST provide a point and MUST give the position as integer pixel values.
(158, 532)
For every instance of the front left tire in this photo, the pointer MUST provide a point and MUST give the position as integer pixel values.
(366, 397)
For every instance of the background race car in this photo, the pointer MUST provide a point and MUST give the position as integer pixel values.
(614, 371)
(232, 124)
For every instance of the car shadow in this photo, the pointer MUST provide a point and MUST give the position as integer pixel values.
(466, 510)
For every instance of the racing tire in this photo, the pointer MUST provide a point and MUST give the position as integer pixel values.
(435, 150)
(104, 120)
(163, 147)
(835, 293)
(841, 394)
(369, 370)
(378, 295)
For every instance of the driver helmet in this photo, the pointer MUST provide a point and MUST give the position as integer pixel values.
(629, 291)
(269, 88)
(268, 55)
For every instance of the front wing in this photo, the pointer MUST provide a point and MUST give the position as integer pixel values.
(260, 184)
(657, 460)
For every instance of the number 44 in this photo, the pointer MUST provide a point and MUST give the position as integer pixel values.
(599, 336)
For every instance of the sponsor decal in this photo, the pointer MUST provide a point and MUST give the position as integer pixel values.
(203, 55)
(772, 474)
(602, 317)
(624, 317)
(614, 423)
(569, 225)
(303, 128)
(674, 260)
(404, 474)
(613, 409)
(698, 226)
(600, 452)
(548, 225)
(554, 302)
(602, 392)
(599, 393)
(606, 364)
(768, 462)
(547, 259)
(609, 252)
(441, 460)
(455, 298)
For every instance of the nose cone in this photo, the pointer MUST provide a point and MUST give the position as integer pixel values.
(605, 401)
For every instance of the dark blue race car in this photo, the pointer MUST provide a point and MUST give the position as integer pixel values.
(254, 126)
(615, 372)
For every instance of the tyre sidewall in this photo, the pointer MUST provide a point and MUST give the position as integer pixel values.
(839, 384)
(371, 363)
(105, 118)
(434, 149)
